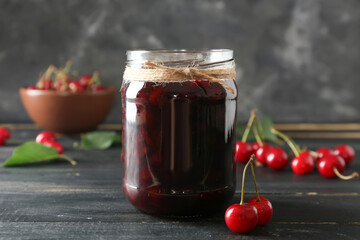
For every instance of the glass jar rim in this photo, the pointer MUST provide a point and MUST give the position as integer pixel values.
(180, 56)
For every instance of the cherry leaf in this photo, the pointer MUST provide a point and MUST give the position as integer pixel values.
(32, 152)
(267, 124)
(99, 140)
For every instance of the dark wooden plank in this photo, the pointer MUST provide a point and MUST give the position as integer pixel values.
(113, 207)
(58, 200)
(170, 230)
(103, 168)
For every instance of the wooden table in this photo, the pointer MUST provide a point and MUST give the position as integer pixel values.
(60, 201)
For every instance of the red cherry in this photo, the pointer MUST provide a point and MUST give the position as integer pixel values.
(264, 209)
(201, 83)
(47, 84)
(31, 87)
(84, 80)
(262, 152)
(327, 163)
(76, 87)
(243, 151)
(346, 152)
(59, 148)
(45, 136)
(241, 218)
(255, 146)
(60, 84)
(302, 164)
(323, 151)
(98, 88)
(277, 159)
(154, 96)
(4, 133)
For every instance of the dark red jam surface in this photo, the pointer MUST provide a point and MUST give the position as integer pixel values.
(178, 146)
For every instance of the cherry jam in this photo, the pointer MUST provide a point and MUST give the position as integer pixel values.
(178, 145)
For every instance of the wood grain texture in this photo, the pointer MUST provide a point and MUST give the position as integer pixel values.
(60, 201)
(169, 230)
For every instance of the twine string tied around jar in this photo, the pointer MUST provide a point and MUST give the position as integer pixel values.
(158, 72)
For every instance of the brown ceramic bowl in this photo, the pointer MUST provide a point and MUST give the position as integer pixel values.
(65, 112)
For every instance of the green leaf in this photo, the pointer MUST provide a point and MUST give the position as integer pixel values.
(267, 124)
(32, 152)
(99, 140)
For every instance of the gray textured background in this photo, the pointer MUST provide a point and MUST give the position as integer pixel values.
(297, 60)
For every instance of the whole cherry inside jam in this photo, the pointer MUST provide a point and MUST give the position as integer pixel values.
(178, 146)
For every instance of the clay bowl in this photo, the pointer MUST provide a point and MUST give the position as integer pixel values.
(65, 112)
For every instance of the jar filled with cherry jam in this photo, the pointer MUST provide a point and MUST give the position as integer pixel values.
(179, 127)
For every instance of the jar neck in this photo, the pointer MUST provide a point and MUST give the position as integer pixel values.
(201, 59)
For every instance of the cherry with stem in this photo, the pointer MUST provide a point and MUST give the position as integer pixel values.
(262, 204)
(243, 217)
(45, 81)
(332, 166)
(276, 158)
(303, 162)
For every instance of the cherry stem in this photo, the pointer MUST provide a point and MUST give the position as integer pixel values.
(67, 66)
(254, 178)
(349, 177)
(49, 71)
(243, 178)
(313, 153)
(257, 136)
(76, 145)
(47, 74)
(95, 78)
(260, 128)
(248, 125)
(61, 74)
(73, 162)
(291, 143)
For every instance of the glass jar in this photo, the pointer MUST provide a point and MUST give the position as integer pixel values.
(179, 131)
